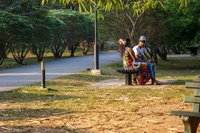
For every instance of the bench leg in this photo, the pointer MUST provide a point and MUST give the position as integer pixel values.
(191, 124)
(128, 79)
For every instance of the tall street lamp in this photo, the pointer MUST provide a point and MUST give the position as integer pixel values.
(96, 46)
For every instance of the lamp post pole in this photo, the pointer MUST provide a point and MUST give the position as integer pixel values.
(96, 46)
(96, 70)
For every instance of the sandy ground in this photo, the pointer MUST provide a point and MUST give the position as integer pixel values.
(154, 118)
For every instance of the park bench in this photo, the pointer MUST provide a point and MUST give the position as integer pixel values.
(191, 119)
(128, 75)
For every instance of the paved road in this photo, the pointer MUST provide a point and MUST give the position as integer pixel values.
(14, 78)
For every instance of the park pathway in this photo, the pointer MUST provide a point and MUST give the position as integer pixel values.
(26, 75)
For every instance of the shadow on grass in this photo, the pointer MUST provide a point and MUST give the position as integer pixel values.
(22, 96)
(27, 113)
(39, 129)
(181, 82)
(77, 80)
(87, 77)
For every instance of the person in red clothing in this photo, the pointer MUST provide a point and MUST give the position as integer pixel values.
(131, 62)
(127, 54)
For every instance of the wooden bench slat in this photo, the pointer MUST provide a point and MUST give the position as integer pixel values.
(186, 113)
(122, 70)
(192, 100)
(192, 85)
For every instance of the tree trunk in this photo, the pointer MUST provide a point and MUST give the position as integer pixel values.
(176, 50)
(32, 51)
(3, 52)
(39, 50)
(85, 47)
(162, 55)
(72, 48)
(19, 57)
(19, 51)
(102, 46)
(72, 51)
(58, 48)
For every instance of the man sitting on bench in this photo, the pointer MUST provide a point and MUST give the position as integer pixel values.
(143, 77)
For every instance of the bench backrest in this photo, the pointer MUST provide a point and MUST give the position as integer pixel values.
(196, 99)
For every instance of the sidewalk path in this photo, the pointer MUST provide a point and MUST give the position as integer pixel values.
(119, 83)
(14, 78)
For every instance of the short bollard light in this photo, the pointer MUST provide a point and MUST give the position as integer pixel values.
(43, 86)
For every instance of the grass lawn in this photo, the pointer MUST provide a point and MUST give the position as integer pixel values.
(73, 105)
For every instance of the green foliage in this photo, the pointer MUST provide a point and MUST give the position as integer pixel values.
(88, 5)
(19, 29)
(3, 25)
(77, 25)
(184, 3)
(183, 23)
(59, 42)
(42, 32)
(16, 34)
(41, 29)
(42, 35)
(57, 27)
(137, 7)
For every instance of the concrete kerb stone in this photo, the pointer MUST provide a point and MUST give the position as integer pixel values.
(96, 72)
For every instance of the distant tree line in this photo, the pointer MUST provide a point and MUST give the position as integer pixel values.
(26, 26)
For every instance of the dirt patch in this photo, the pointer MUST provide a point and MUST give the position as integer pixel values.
(155, 118)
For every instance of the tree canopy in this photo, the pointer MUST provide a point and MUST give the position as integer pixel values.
(137, 6)
(56, 25)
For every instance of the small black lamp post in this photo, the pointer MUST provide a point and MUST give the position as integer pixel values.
(43, 75)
